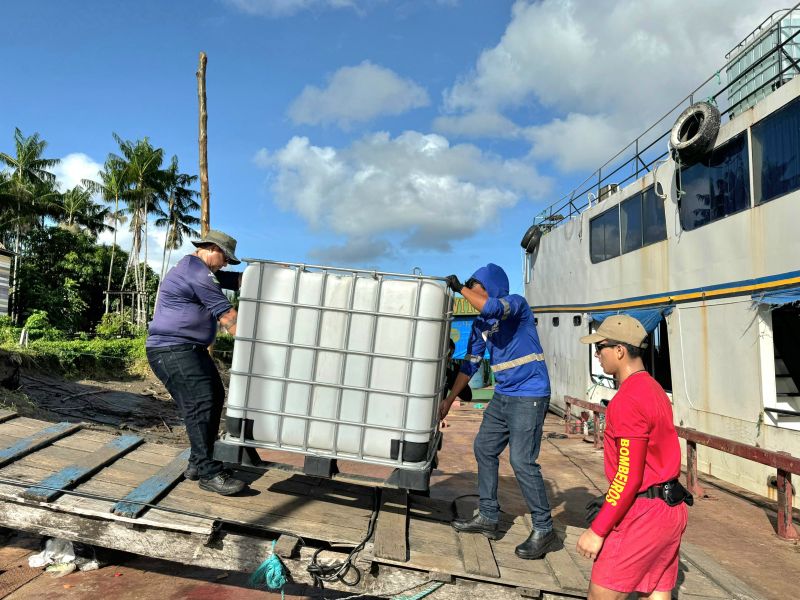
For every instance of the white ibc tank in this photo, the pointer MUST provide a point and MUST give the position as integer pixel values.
(345, 364)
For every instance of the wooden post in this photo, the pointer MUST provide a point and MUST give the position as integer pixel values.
(205, 200)
(786, 528)
(567, 415)
(596, 421)
(691, 470)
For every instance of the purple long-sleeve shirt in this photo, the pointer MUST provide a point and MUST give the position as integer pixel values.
(189, 304)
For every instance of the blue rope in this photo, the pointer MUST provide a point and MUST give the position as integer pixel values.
(421, 594)
(271, 573)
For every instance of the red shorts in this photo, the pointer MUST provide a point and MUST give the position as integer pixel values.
(641, 552)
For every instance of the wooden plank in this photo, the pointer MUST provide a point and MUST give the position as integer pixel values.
(566, 570)
(7, 415)
(391, 529)
(476, 550)
(286, 546)
(152, 488)
(735, 587)
(37, 440)
(238, 552)
(49, 488)
(477, 554)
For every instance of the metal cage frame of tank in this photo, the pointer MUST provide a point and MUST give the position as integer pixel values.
(230, 447)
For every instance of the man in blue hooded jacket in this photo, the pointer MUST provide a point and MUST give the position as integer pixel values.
(515, 416)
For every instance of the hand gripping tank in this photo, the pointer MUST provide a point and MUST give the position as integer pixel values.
(339, 363)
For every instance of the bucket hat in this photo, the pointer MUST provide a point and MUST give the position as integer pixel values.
(225, 242)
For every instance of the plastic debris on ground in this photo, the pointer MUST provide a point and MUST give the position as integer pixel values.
(62, 557)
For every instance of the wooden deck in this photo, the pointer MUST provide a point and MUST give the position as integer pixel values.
(40, 461)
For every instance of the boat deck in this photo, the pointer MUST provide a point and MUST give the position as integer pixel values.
(64, 481)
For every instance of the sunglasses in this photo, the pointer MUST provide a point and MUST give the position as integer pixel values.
(470, 283)
(600, 346)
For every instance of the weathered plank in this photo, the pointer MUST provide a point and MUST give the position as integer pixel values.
(152, 488)
(7, 415)
(476, 551)
(286, 546)
(36, 440)
(391, 529)
(567, 572)
(67, 477)
(734, 587)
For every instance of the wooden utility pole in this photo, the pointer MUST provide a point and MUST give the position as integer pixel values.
(205, 200)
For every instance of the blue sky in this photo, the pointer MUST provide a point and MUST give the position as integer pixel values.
(390, 134)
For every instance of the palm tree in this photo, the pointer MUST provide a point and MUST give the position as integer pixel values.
(81, 213)
(29, 185)
(111, 187)
(181, 203)
(144, 176)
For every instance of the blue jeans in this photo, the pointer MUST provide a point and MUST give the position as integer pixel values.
(517, 422)
(192, 379)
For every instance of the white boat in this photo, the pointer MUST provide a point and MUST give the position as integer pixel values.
(703, 249)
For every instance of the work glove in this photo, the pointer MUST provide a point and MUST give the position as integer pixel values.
(453, 283)
(592, 508)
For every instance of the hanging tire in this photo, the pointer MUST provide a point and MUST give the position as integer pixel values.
(531, 238)
(695, 132)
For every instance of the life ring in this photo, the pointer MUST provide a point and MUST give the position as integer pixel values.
(694, 132)
(531, 238)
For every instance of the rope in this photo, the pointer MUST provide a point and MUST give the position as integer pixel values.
(337, 571)
(270, 574)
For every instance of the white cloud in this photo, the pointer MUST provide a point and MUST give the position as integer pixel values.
(414, 184)
(359, 93)
(579, 142)
(73, 168)
(616, 63)
(477, 124)
(284, 8)
(354, 251)
(155, 245)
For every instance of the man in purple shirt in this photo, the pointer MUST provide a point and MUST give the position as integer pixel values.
(190, 303)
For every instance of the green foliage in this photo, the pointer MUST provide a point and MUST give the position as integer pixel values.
(8, 333)
(64, 274)
(115, 325)
(38, 320)
(85, 357)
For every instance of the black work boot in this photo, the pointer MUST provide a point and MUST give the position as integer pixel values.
(191, 473)
(223, 483)
(537, 545)
(477, 524)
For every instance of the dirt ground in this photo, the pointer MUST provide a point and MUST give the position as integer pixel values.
(734, 527)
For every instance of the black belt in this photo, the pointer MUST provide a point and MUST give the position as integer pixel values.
(655, 491)
(672, 492)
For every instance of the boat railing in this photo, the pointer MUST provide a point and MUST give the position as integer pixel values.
(783, 462)
(641, 155)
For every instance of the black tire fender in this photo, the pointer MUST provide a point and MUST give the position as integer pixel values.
(694, 132)
(531, 238)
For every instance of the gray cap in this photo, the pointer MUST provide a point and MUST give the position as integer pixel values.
(225, 242)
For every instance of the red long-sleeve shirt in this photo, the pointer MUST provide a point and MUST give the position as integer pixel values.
(641, 447)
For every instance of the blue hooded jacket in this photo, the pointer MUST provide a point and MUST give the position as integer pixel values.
(506, 327)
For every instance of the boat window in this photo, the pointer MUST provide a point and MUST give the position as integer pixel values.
(642, 220)
(776, 153)
(716, 187)
(604, 235)
(656, 357)
(784, 411)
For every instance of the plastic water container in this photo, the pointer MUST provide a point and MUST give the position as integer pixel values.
(339, 363)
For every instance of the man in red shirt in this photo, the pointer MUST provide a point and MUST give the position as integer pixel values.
(635, 538)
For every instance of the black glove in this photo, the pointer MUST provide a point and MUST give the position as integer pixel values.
(453, 283)
(593, 507)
